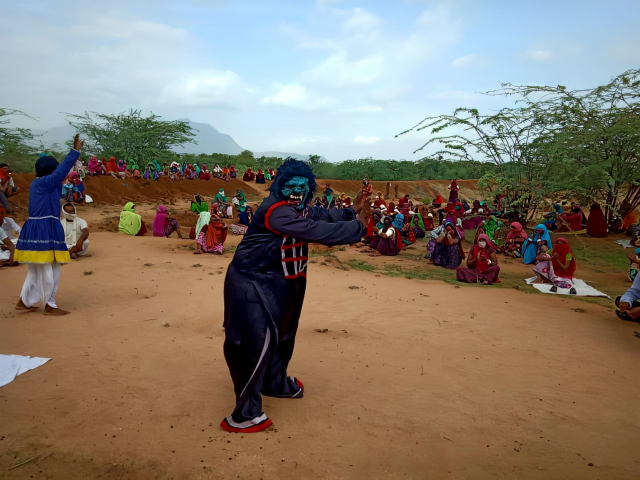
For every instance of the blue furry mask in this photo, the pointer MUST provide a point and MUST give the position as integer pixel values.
(294, 183)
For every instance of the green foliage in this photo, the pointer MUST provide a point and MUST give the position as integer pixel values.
(15, 143)
(584, 143)
(130, 135)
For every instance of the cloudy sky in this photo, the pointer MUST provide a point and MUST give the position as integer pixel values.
(335, 77)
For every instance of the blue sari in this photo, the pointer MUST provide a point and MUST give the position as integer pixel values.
(530, 248)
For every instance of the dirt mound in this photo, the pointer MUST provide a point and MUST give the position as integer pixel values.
(418, 189)
(113, 191)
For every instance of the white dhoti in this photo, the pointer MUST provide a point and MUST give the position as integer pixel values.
(6, 254)
(41, 284)
(85, 248)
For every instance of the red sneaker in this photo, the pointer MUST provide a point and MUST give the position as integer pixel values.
(256, 425)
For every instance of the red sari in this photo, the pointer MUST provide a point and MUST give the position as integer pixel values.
(596, 223)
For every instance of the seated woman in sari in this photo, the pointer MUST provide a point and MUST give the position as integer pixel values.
(272, 174)
(198, 205)
(540, 237)
(130, 222)
(260, 177)
(597, 224)
(249, 176)
(190, 172)
(571, 221)
(515, 240)
(174, 172)
(482, 264)
(205, 174)
(227, 174)
(232, 172)
(240, 200)
(267, 174)
(112, 168)
(557, 266)
(245, 216)
(94, 166)
(550, 218)
(122, 169)
(212, 235)
(491, 227)
(386, 241)
(164, 224)
(417, 225)
(473, 216)
(448, 251)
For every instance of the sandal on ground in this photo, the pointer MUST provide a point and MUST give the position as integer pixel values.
(573, 291)
(554, 289)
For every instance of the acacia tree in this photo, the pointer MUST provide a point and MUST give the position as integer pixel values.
(130, 135)
(505, 139)
(594, 134)
(13, 139)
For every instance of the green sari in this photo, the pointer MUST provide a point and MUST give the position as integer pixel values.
(130, 221)
(491, 227)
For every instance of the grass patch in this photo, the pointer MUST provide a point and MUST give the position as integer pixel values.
(360, 265)
(605, 259)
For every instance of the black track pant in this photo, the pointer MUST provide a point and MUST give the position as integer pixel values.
(258, 366)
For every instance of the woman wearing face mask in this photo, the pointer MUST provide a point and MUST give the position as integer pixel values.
(482, 264)
(448, 251)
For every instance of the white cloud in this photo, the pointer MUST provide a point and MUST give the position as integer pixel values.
(206, 89)
(339, 70)
(473, 60)
(363, 139)
(539, 55)
(363, 109)
(297, 96)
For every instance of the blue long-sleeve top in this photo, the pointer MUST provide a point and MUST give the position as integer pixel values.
(44, 192)
(633, 293)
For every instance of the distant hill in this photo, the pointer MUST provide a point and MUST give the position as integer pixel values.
(209, 140)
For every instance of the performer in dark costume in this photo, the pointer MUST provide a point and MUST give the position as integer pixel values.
(264, 291)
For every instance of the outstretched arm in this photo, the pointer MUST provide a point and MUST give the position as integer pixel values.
(285, 220)
(55, 179)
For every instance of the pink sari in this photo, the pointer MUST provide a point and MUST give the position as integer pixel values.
(159, 221)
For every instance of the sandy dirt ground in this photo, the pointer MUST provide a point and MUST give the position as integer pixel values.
(413, 379)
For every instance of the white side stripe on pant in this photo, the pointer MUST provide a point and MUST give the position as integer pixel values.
(264, 350)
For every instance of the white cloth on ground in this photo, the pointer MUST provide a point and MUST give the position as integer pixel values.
(10, 224)
(13, 365)
(624, 243)
(6, 254)
(41, 284)
(582, 289)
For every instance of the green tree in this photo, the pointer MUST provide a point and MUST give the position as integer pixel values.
(130, 135)
(592, 137)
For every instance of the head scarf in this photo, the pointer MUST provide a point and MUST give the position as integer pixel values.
(544, 236)
(111, 166)
(347, 202)
(516, 231)
(71, 236)
(93, 164)
(159, 221)
(398, 222)
(46, 165)
(416, 220)
(216, 233)
(563, 249)
(121, 166)
(203, 219)
(130, 221)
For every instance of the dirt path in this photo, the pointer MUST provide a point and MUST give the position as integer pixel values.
(413, 379)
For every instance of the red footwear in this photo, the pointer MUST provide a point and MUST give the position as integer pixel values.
(300, 392)
(249, 426)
